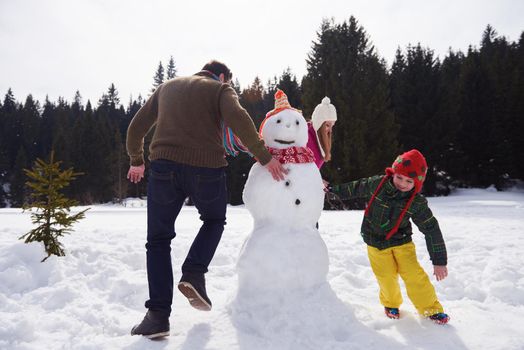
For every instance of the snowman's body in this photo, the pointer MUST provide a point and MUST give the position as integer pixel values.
(284, 251)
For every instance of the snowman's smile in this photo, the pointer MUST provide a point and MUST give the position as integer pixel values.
(285, 142)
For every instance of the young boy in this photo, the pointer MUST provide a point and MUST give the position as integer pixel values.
(393, 200)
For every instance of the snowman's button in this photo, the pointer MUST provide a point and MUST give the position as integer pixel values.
(287, 183)
(297, 202)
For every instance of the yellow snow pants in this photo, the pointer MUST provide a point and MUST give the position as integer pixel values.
(388, 264)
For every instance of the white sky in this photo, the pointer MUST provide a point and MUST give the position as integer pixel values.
(56, 47)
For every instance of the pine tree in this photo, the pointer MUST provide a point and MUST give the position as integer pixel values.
(47, 128)
(118, 158)
(17, 189)
(451, 156)
(171, 69)
(517, 102)
(477, 108)
(415, 98)
(61, 128)
(498, 56)
(344, 66)
(252, 99)
(112, 96)
(76, 106)
(4, 167)
(50, 208)
(100, 148)
(30, 126)
(158, 78)
(10, 139)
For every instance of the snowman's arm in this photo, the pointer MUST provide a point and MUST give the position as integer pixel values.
(361, 188)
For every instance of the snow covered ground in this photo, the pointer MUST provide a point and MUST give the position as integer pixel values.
(91, 298)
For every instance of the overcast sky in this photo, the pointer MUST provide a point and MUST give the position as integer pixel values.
(55, 47)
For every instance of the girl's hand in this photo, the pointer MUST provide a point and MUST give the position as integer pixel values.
(326, 185)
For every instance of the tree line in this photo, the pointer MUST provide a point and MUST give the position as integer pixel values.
(465, 113)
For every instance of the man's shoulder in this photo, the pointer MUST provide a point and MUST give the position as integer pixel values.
(185, 79)
(194, 84)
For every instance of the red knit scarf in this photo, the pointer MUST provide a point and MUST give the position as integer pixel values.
(292, 154)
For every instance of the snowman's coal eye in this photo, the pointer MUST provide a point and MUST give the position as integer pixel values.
(278, 121)
(298, 122)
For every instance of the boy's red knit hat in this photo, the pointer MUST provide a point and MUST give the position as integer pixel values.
(411, 164)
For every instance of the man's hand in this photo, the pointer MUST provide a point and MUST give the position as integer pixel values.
(276, 169)
(327, 157)
(440, 272)
(136, 173)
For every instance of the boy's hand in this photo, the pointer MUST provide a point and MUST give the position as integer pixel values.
(440, 272)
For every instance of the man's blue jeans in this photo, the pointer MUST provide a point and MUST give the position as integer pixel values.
(169, 185)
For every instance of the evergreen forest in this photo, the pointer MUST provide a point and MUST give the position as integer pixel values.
(464, 112)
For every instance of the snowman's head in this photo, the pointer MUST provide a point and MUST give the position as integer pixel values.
(284, 126)
(284, 129)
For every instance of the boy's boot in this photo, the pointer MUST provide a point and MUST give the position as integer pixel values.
(154, 325)
(392, 312)
(440, 318)
(193, 286)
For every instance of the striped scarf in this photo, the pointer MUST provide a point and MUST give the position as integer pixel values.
(231, 142)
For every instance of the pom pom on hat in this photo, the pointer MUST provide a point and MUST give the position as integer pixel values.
(411, 164)
(323, 112)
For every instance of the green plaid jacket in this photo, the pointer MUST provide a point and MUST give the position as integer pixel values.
(386, 209)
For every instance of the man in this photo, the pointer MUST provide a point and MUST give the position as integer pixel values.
(187, 160)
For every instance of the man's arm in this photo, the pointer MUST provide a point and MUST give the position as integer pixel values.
(237, 118)
(140, 125)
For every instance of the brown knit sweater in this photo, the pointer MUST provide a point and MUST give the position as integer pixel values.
(187, 113)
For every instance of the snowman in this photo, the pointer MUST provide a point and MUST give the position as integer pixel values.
(284, 252)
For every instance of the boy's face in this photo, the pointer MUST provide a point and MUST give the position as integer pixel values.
(403, 183)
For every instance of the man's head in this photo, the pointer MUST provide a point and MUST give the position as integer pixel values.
(219, 69)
